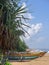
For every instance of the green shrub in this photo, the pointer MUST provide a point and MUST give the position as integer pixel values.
(7, 63)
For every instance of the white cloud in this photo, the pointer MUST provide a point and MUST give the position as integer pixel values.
(29, 16)
(26, 15)
(48, 52)
(35, 28)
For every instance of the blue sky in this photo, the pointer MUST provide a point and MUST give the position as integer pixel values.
(39, 35)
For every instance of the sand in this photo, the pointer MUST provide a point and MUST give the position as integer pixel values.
(39, 61)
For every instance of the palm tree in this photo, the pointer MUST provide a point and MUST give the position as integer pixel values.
(11, 24)
(11, 29)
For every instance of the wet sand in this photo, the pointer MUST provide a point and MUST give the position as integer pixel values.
(39, 61)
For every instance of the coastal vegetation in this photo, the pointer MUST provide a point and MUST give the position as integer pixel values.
(11, 15)
(11, 26)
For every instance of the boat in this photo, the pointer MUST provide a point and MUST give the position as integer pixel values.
(25, 56)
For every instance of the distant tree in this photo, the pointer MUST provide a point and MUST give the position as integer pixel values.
(21, 46)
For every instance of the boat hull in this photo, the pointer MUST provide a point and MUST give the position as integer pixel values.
(25, 56)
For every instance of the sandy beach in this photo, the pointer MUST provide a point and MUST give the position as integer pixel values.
(39, 61)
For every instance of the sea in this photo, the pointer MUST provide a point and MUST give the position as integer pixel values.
(45, 50)
(38, 49)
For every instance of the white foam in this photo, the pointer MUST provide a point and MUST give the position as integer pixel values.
(48, 52)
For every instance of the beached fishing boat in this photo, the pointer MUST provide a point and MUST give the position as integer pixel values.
(25, 56)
